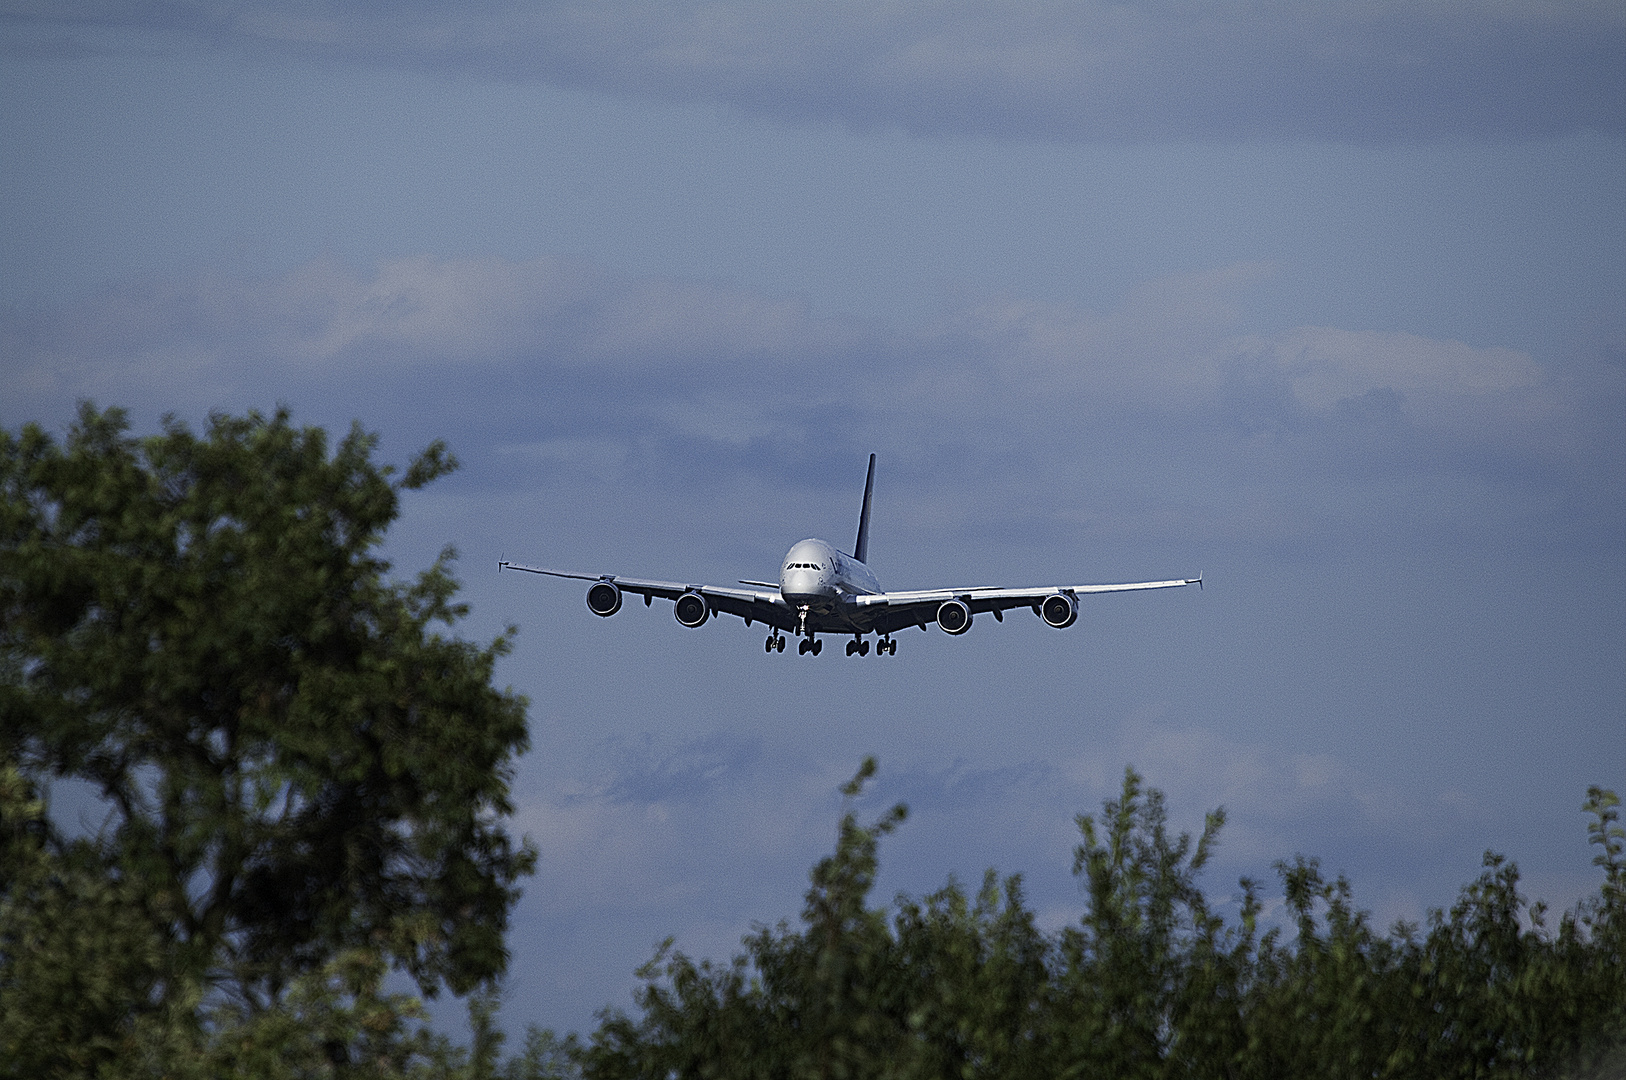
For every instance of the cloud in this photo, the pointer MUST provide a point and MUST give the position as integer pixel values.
(1326, 366)
(1279, 802)
(649, 776)
(686, 813)
(1048, 69)
(562, 366)
(604, 841)
(444, 311)
(1170, 345)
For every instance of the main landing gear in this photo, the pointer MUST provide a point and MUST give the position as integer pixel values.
(810, 644)
(886, 646)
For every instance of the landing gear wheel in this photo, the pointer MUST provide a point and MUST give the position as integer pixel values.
(818, 647)
(892, 648)
(802, 646)
(852, 647)
(863, 648)
(779, 645)
(767, 646)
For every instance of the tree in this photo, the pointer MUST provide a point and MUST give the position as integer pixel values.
(948, 986)
(1149, 977)
(1150, 983)
(76, 957)
(293, 761)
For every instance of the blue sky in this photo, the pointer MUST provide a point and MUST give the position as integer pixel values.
(1326, 301)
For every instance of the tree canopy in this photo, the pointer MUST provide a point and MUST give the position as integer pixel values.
(1150, 983)
(292, 761)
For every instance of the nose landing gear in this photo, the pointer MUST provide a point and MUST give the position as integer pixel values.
(775, 643)
(809, 643)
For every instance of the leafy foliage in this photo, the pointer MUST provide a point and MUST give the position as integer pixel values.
(295, 767)
(1151, 983)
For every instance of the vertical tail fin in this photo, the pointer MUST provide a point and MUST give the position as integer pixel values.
(861, 548)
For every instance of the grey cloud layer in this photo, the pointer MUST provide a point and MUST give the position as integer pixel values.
(1372, 70)
(599, 842)
(568, 367)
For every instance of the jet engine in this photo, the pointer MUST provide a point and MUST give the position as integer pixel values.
(603, 598)
(691, 609)
(954, 616)
(1059, 610)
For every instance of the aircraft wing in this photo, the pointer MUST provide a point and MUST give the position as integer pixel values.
(757, 604)
(886, 612)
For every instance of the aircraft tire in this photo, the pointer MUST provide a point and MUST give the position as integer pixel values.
(801, 646)
(781, 646)
(818, 647)
(863, 648)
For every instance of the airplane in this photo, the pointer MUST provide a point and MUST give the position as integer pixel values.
(823, 591)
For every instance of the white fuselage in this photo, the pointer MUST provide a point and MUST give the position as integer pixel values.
(815, 575)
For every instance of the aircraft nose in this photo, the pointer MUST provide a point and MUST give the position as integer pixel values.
(801, 582)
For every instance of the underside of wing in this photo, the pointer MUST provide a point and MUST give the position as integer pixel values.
(952, 608)
(761, 603)
(753, 605)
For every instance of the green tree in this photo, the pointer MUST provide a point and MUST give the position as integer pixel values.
(819, 1003)
(947, 986)
(77, 957)
(1148, 983)
(295, 764)
(978, 981)
(1152, 982)
(1333, 1000)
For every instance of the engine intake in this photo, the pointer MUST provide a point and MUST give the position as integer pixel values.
(603, 598)
(1059, 610)
(691, 609)
(954, 616)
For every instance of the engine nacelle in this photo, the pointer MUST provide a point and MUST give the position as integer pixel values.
(1059, 610)
(691, 609)
(954, 617)
(603, 598)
